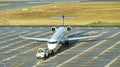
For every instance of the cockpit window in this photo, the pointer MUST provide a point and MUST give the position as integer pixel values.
(52, 42)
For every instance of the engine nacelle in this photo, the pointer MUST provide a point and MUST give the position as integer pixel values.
(53, 29)
(69, 28)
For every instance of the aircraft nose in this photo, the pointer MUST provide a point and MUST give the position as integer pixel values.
(52, 46)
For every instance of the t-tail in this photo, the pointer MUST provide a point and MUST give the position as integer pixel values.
(63, 17)
(68, 28)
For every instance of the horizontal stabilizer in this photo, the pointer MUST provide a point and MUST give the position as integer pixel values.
(63, 16)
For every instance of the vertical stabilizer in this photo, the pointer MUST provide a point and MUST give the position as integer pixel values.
(63, 20)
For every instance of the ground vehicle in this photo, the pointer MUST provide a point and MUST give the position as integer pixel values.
(42, 53)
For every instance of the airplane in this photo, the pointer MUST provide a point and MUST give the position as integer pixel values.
(58, 37)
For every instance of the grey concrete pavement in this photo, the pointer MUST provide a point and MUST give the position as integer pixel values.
(97, 52)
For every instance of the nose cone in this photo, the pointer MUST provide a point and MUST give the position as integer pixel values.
(52, 46)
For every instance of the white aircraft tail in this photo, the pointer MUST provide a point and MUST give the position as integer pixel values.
(63, 18)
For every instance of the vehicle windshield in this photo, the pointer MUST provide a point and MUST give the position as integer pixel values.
(52, 42)
(41, 50)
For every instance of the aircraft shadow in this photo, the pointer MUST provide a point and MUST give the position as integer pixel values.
(72, 44)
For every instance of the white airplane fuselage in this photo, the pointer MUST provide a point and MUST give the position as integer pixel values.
(56, 38)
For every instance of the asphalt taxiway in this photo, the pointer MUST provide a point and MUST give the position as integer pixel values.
(103, 51)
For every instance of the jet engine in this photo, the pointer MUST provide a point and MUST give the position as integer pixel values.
(69, 28)
(53, 29)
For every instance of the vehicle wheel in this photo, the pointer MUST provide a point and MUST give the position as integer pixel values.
(48, 55)
(45, 56)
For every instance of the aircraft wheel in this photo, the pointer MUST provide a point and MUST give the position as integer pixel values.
(66, 43)
(52, 53)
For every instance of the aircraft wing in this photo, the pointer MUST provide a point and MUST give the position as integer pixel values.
(35, 39)
(85, 37)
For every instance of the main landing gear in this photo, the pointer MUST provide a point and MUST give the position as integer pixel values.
(52, 52)
(66, 43)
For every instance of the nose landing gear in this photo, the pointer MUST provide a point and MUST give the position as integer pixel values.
(52, 52)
